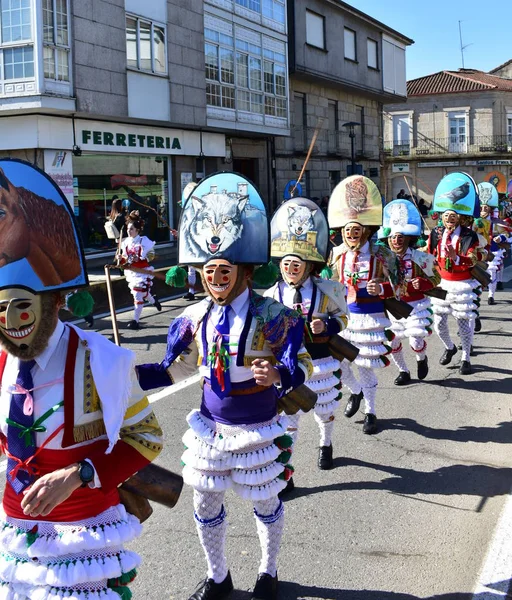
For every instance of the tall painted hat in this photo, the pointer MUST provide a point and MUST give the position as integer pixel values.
(400, 216)
(488, 194)
(355, 199)
(40, 248)
(224, 217)
(187, 190)
(300, 228)
(457, 192)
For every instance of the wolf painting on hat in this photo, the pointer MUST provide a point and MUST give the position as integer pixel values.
(456, 249)
(369, 271)
(65, 458)
(250, 353)
(299, 239)
(401, 228)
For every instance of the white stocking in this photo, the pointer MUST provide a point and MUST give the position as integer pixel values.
(211, 526)
(499, 274)
(191, 280)
(441, 328)
(397, 355)
(369, 387)
(150, 298)
(293, 427)
(137, 312)
(326, 425)
(492, 287)
(348, 377)
(466, 330)
(269, 523)
(419, 347)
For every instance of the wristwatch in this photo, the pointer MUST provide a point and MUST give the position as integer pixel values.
(85, 472)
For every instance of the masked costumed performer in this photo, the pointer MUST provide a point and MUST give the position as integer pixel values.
(137, 251)
(402, 228)
(74, 423)
(299, 235)
(366, 269)
(456, 249)
(250, 352)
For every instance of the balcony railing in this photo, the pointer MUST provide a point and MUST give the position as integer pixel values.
(335, 143)
(474, 145)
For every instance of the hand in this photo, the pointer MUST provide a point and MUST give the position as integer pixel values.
(317, 326)
(416, 283)
(450, 250)
(373, 288)
(50, 490)
(264, 373)
(497, 239)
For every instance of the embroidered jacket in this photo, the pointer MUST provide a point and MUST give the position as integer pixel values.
(466, 248)
(82, 424)
(417, 265)
(271, 332)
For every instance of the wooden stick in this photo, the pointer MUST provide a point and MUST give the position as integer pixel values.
(310, 150)
(156, 274)
(414, 202)
(112, 305)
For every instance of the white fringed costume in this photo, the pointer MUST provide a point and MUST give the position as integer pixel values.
(137, 252)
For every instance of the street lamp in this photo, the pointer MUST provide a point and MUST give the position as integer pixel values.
(352, 135)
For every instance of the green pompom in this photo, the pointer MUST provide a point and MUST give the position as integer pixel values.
(421, 241)
(284, 457)
(80, 304)
(266, 275)
(479, 223)
(326, 272)
(386, 231)
(124, 592)
(284, 441)
(176, 277)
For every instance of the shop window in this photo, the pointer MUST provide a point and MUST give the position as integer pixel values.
(146, 46)
(140, 181)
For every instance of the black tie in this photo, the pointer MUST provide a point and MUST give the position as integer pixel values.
(297, 300)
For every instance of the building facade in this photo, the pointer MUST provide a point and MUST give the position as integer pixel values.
(452, 120)
(344, 66)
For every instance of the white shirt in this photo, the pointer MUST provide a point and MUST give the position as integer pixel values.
(454, 240)
(306, 290)
(362, 265)
(237, 318)
(48, 369)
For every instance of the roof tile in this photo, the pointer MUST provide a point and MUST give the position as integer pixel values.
(453, 82)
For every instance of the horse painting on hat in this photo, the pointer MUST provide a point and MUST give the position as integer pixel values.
(39, 247)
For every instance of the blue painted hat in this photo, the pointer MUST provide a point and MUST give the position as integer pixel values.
(457, 192)
(400, 216)
(224, 217)
(40, 247)
(488, 194)
(300, 228)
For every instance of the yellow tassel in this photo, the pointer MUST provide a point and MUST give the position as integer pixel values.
(89, 431)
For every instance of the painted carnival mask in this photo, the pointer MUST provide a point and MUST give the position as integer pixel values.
(293, 269)
(224, 281)
(485, 211)
(353, 235)
(27, 321)
(399, 242)
(450, 219)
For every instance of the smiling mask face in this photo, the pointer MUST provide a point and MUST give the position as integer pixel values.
(24, 332)
(224, 281)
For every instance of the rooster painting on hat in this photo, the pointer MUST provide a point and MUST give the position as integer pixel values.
(299, 235)
(74, 423)
(250, 354)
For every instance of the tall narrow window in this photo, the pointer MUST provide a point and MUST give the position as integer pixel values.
(146, 46)
(333, 125)
(300, 120)
(350, 44)
(509, 129)
(56, 39)
(315, 29)
(360, 130)
(373, 54)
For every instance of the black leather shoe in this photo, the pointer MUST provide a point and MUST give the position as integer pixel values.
(404, 377)
(189, 296)
(446, 359)
(499, 285)
(157, 304)
(370, 424)
(465, 368)
(290, 486)
(133, 325)
(89, 319)
(325, 461)
(265, 588)
(478, 325)
(422, 368)
(353, 404)
(209, 590)
(491, 301)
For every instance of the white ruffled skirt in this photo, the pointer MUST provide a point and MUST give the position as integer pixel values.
(495, 265)
(417, 323)
(325, 382)
(460, 299)
(74, 561)
(253, 460)
(368, 333)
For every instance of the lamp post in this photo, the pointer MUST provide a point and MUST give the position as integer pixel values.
(352, 135)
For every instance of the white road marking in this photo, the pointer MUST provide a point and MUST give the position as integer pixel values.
(168, 391)
(496, 574)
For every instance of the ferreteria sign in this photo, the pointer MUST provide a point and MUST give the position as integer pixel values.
(98, 136)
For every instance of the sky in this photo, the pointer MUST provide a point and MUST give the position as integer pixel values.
(434, 27)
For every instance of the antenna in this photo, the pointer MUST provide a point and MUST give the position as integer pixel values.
(462, 48)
